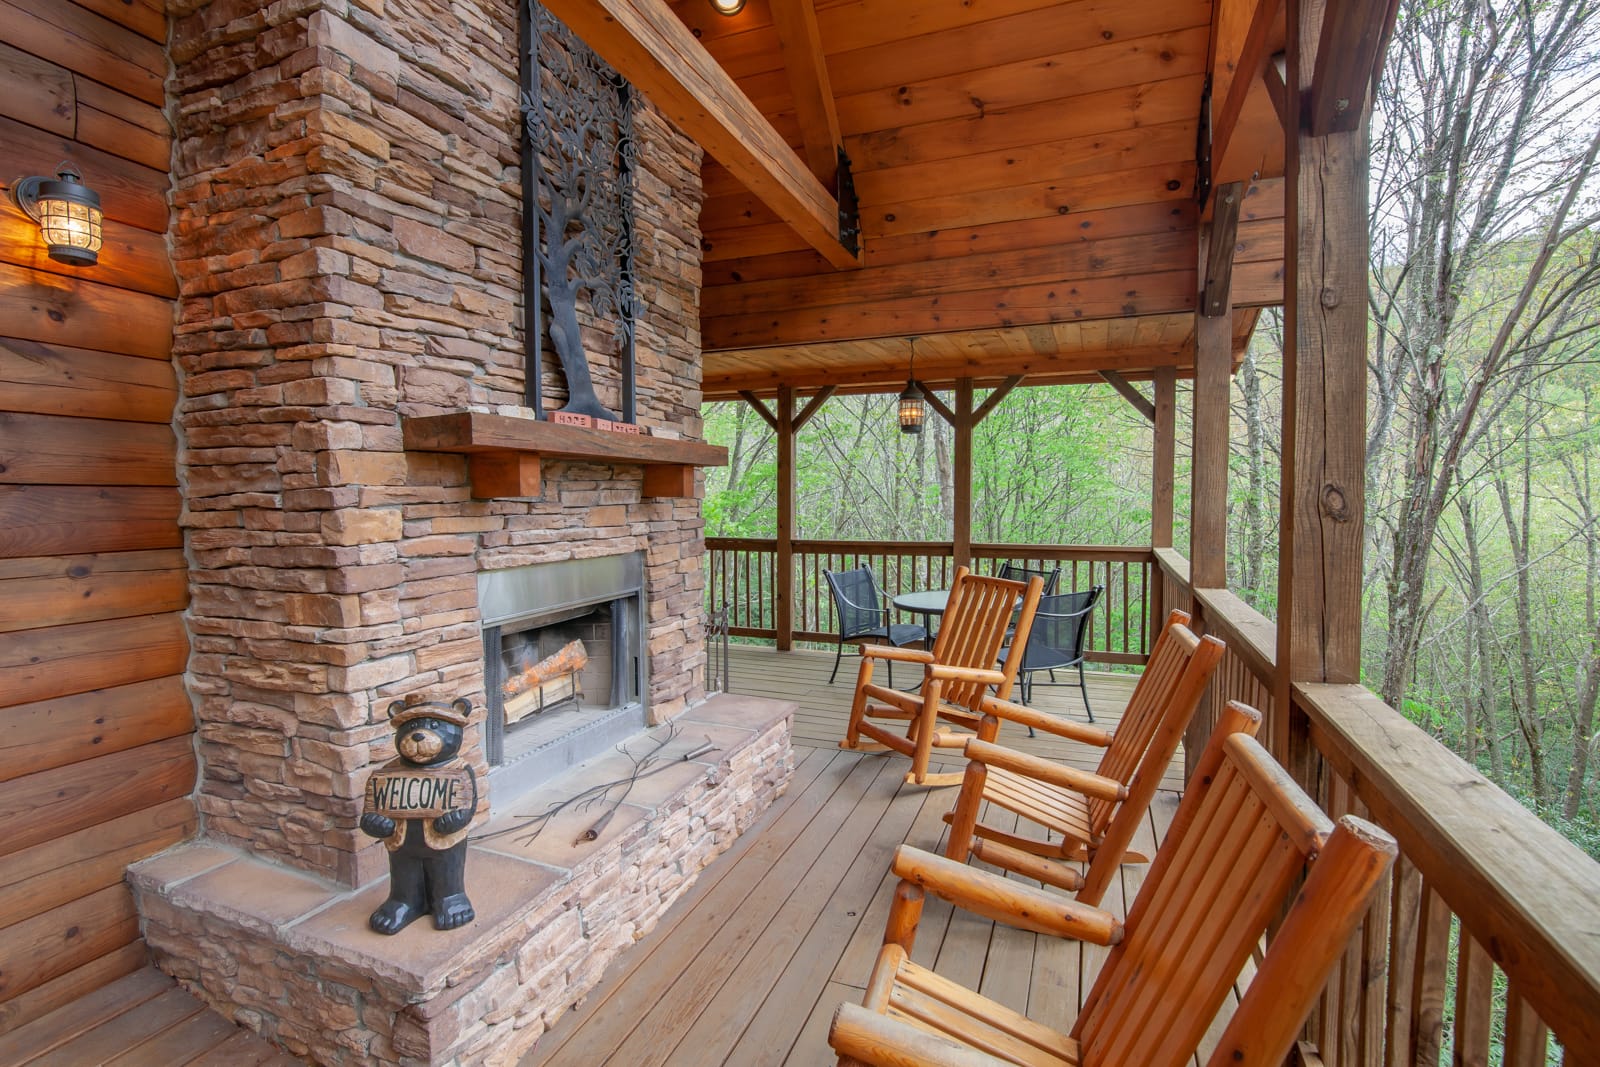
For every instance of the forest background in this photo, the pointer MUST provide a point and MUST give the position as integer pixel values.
(1483, 501)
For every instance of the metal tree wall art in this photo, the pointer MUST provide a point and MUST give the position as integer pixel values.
(578, 163)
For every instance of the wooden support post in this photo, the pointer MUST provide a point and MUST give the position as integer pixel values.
(1323, 494)
(961, 521)
(1162, 478)
(1208, 503)
(783, 592)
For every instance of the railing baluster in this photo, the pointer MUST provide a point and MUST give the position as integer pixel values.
(1405, 915)
(1527, 1038)
(1474, 1002)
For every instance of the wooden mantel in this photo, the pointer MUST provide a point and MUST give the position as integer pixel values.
(503, 451)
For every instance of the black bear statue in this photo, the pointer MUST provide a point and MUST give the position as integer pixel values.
(420, 804)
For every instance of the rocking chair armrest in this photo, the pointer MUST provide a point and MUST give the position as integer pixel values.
(948, 673)
(868, 1037)
(1050, 724)
(897, 653)
(1006, 900)
(1043, 770)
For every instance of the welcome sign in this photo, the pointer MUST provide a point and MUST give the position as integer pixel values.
(418, 794)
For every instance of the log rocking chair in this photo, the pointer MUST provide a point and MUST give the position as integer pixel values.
(1242, 838)
(1090, 815)
(957, 675)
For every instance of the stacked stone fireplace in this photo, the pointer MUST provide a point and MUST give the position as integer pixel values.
(357, 268)
(347, 220)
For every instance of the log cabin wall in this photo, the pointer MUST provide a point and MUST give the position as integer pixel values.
(96, 757)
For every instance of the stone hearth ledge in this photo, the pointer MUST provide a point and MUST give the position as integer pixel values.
(290, 955)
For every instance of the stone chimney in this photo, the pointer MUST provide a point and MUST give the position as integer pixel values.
(346, 232)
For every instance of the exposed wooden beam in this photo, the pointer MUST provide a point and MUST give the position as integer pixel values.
(1276, 76)
(796, 23)
(761, 409)
(991, 402)
(1349, 51)
(812, 407)
(1130, 393)
(656, 52)
(1216, 298)
(1243, 30)
(1245, 136)
(939, 406)
(730, 373)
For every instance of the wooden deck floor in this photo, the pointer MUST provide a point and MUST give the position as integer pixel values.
(748, 968)
(142, 1020)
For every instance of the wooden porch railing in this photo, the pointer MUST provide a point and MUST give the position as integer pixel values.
(1487, 935)
(742, 574)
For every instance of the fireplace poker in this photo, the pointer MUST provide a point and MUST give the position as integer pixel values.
(536, 823)
(594, 832)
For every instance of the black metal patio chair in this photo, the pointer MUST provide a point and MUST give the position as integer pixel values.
(1013, 572)
(1056, 641)
(864, 614)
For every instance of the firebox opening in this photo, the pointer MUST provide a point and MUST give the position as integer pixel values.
(563, 664)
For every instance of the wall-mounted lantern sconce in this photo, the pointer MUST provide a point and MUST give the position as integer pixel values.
(727, 7)
(68, 214)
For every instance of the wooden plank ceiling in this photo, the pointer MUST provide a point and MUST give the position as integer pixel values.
(1026, 173)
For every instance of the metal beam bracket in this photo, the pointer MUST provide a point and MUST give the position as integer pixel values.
(849, 206)
(1202, 147)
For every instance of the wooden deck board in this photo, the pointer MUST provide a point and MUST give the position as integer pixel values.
(141, 1018)
(750, 965)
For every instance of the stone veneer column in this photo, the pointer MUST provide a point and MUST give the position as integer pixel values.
(346, 225)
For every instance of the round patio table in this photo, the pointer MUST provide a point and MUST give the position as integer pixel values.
(928, 603)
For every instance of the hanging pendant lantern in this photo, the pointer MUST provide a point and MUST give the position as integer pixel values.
(913, 408)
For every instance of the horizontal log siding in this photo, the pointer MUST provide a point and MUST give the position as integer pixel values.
(1485, 896)
(96, 756)
(742, 574)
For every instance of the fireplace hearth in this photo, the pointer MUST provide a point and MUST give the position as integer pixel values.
(564, 668)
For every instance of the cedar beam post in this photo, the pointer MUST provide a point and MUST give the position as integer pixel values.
(1164, 457)
(1323, 491)
(961, 521)
(783, 592)
(1208, 498)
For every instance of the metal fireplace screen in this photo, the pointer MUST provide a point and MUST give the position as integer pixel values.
(578, 161)
(563, 656)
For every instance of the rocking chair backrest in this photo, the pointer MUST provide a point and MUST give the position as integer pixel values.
(1243, 835)
(976, 618)
(1162, 702)
(857, 601)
